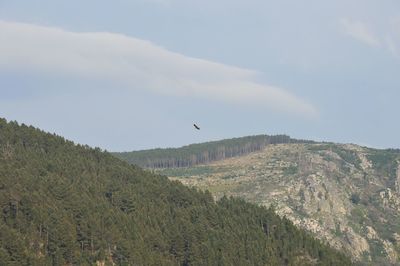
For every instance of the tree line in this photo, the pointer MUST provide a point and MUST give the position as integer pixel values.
(203, 153)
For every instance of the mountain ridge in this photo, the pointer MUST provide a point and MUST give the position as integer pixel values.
(200, 153)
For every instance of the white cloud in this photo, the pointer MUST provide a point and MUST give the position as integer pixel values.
(137, 63)
(360, 31)
(392, 39)
(388, 38)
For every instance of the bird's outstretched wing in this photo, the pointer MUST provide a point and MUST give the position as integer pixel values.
(196, 126)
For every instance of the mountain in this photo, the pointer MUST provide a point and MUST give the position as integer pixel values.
(68, 204)
(202, 153)
(344, 194)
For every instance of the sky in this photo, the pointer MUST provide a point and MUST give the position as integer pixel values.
(128, 75)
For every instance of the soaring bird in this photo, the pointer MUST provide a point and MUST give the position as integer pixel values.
(196, 126)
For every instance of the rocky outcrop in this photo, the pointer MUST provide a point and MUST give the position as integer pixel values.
(390, 251)
(356, 243)
(371, 233)
(390, 199)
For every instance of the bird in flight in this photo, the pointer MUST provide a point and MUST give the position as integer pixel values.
(196, 126)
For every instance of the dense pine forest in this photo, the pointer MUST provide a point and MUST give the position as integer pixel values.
(202, 153)
(68, 204)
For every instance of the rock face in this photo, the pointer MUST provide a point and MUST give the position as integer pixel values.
(346, 195)
(371, 233)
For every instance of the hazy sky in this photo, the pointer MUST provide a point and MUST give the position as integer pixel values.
(136, 74)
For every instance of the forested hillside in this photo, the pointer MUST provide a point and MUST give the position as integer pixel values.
(66, 204)
(202, 153)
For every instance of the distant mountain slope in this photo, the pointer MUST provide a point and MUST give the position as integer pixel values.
(66, 204)
(202, 153)
(345, 194)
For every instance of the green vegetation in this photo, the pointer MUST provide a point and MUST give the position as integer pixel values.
(182, 172)
(385, 161)
(377, 248)
(202, 153)
(347, 156)
(337, 232)
(67, 204)
(359, 215)
(291, 170)
(355, 198)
